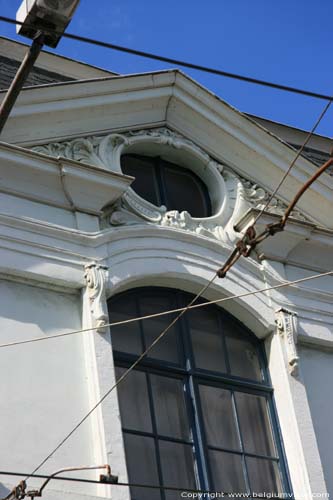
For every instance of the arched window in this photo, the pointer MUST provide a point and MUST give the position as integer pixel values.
(164, 183)
(197, 412)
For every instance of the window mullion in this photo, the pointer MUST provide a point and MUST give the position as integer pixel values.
(195, 413)
(199, 440)
(160, 180)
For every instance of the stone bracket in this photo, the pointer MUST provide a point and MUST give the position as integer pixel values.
(95, 276)
(286, 322)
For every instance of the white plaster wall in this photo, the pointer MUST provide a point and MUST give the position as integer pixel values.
(317, 372)
(43, 385)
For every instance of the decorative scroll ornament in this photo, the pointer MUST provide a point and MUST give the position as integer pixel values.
(95, 275)
(287, 327)
(232, 194)
(258, 197)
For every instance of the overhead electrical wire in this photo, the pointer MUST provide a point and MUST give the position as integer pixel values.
(124, 375)
(124, 484)
(243, 247)
(298, 154)
(171, 311)
(177, 62)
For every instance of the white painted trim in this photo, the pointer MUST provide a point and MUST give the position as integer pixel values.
(223, 132)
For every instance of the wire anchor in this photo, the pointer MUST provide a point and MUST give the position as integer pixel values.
(19, 492)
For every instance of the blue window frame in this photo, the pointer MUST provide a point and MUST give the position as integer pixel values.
(198, 412)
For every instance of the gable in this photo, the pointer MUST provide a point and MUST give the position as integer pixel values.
(169, 99)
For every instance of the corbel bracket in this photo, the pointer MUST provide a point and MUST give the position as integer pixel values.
(95, 276)
(286, 322)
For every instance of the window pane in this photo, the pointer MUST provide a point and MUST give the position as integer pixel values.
(219, 417)
(184, 191)
(167, 347)
(254, 424)
(145, 183)
(170, 410)
(133, 401)
(264, 476)
(125, 338)
(243, 355)
(227, 472)
(206, 339)
(141, 466)
(177, 467)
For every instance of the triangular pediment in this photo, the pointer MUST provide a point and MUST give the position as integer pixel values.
(169, 99)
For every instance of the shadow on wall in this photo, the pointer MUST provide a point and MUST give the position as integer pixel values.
(44, 310)
(3, 491)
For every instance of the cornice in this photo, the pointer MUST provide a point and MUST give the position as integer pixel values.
(58, 182)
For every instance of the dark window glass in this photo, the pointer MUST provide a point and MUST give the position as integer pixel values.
(170, 409)
(167, 348)
(177, 464)
(144, 171)
(242, 352)
(164, 183)
(125, 338)
(142, 466)
(134, 401)
(254, 423)
(264, 475)
(206, 339)
(197, 412)
(219, 417)
(227, 472)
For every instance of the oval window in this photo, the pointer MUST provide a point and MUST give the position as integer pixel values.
(164, 183)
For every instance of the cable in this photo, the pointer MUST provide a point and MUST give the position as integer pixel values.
(241, 247)
(299, 152)
(132, 485)
(124, 375)
(171, 311)
(169, 60)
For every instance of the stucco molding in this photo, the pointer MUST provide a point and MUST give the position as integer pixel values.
(95, 276)
(286, 322)
(232, 195)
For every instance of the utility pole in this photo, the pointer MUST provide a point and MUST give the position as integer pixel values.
(44, 22)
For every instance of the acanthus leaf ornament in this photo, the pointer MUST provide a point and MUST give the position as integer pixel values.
(95, 276)
(232, 194)
(286, 322)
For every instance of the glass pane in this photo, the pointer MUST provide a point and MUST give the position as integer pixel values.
(206, 339)
(177, 463)
(264, 476)
(254, 424)
(170, 410)
(145, 183)
(134, 401)
(141, 466)
(227, 472)
(243, 355)
(219, 417)
(125, 338)
(184, 191)
(167, 348)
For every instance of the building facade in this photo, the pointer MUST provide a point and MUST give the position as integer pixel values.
(121, 196)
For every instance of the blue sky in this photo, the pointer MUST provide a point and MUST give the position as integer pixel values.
(285, 41)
